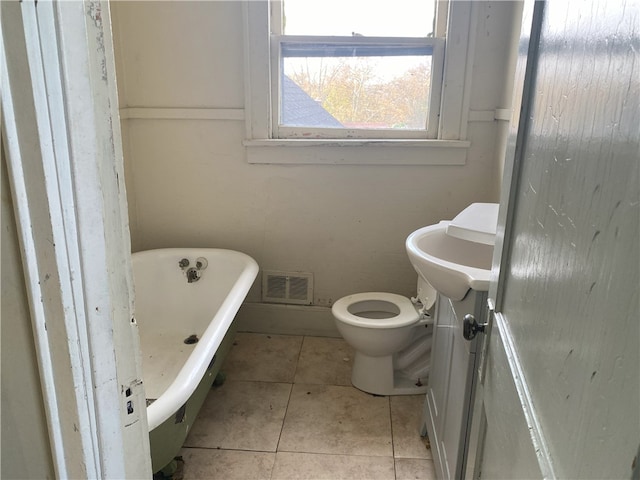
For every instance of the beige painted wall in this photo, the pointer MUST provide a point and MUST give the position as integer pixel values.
(190, 185)
(25, 443)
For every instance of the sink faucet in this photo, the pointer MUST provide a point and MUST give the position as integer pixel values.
(193, 275)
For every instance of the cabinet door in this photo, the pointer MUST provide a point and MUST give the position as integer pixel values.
(454, 429)
(450, 386)
(436, 403)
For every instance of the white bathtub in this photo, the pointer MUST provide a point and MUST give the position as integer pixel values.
(168, 310)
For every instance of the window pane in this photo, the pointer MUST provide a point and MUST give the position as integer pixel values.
(372, 18)
(364, 92)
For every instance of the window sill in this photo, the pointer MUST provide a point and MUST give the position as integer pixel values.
(356, 152)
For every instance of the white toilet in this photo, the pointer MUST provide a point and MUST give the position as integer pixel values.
(392, 338)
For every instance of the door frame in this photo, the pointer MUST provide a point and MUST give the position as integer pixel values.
(62, 137)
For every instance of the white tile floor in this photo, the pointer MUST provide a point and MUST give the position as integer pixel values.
(288, 411)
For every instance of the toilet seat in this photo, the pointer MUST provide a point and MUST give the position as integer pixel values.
(376, 310)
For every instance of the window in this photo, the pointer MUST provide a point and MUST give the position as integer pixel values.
(355, 69)
(356, 73)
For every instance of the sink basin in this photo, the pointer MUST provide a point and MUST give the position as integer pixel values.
(451, 265)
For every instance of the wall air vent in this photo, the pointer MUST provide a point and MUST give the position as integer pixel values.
(287, 287)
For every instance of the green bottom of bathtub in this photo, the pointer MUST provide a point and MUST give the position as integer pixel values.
(167, 439)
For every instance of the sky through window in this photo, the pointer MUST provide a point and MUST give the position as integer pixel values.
(392, 18)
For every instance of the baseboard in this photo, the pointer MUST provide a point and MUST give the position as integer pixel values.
(286, 320)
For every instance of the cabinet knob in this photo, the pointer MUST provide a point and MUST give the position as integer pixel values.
(470, 327)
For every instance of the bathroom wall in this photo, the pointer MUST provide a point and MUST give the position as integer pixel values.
(189, 183)
(25, 442)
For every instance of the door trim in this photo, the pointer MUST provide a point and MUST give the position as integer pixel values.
(64, 161)
(526, 400)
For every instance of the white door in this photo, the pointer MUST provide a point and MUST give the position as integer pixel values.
(559, 385)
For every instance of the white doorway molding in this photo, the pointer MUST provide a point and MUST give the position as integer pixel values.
(64, 156)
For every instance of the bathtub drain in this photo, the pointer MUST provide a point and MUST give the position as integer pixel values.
(191, 339)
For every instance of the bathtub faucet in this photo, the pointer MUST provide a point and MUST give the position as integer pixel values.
(193, 275)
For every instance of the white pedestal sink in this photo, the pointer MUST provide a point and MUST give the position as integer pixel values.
(450, 264)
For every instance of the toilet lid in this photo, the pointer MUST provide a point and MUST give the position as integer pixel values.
(375, 310)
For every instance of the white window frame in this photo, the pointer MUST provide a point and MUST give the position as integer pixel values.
(448, 147)
(431, 127)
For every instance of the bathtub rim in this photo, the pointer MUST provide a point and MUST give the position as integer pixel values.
(196, 365)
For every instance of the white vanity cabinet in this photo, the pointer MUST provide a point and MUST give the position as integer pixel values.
(446, 416)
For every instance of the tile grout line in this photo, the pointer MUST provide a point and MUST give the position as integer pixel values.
(286, 410)
(393, 445)
(218, 449)
(295, 372)
(358, 455)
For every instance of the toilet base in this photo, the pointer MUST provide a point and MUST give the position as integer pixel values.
(376, 375)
